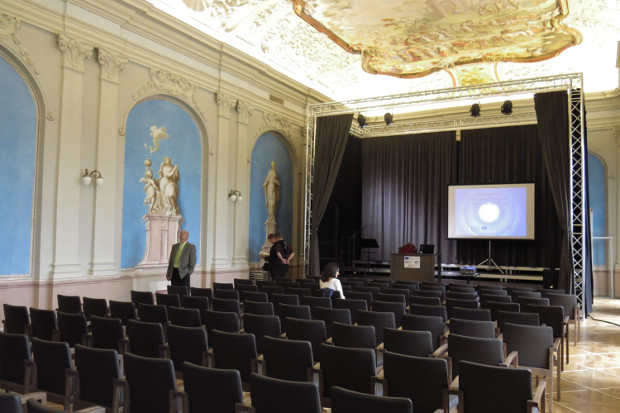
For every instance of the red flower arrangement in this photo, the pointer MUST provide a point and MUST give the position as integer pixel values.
(408, 248)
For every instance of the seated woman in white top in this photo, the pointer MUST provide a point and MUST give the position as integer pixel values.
(329, 278)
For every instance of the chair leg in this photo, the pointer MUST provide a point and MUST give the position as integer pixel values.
(549, 380)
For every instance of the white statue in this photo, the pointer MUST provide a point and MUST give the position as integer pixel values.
(168, 185)
(151, 187)
(272, 192)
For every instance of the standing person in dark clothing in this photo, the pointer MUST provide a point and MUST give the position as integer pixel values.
(182, 261)
(279, 257)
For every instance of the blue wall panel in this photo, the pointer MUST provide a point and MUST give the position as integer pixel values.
(18, 135)
(596, 191)
(269, 147)
(185, 150)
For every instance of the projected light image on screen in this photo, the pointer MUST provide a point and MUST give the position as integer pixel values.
(491, 211)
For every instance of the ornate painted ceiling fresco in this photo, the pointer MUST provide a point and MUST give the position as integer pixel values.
(512, 39)
(413, 38)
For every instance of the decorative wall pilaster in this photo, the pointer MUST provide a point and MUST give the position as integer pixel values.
(223, 182)
(103, 260)
(241, 211)
(67, 244)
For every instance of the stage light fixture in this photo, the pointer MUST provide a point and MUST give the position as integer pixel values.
(389, 118)
(361, 119)
(507, 107)
(475, 110)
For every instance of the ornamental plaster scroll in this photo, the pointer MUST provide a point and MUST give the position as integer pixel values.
(112, 64)
(278, 123)
(9, 26)
(245, 111)
(172, 84)
(73, 52)
(224, 104)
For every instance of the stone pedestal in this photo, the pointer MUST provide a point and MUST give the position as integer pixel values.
(162, 232)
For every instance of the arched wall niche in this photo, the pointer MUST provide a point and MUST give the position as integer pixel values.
(597, 191)
(22, 231)
(187, 146)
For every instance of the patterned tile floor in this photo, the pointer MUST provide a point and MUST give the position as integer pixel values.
(591, 382)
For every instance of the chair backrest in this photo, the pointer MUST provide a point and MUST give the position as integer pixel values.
(412, 343)
(436, 310)
(272, 395)
(419, 299)
(527, 301)
(272, 289)
(431, 323)
(226, 294)
(260, 297)
(550, 315)
(234, 351)
(491, 291)
(532, 342)
(15, 353)
(258, 307)
(472, 328)
(241, 282)
(299, 291)
(169, 300)
(10, 403)
(360, 295)
(494, 297)
(529, 319)
(314, 302)
(567, 301)
(425, 388)
(186, 317)
(354, 335)
(367, 289)
(226, 304)
(526, 294)
(97, 370)
(293, 311)
(221, 320)
(187, 344)
(488, 351)
(107, 332)
(461, 295)
(210, 389)
(16, 319)
(95, 306)
(223, 286)
(278, 298)
(331, 315)
(197, 302)
(153, 313)
(488, 389)
(396, 308)
(35, 406)
(261, 325)
(52, 358)
(309, 330)
(391, 298)
(72, 327)
(344, 400)
(150, 381)
(125, 310)
(455, 302)
(43, 323)
(177, 289)
(480, 314)
(495, 306)
(201, 292)
(145, 339)
(352, 305)
(429, 293)
(351, 368)
(287, 359)
(142, 297)
(461, 288)
(378, 319)
(70, 304)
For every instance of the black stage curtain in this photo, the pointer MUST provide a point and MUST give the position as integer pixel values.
(331, 139)
(552, 115)
(404, 191)
(510, 155)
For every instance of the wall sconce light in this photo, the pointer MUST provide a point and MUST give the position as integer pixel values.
(507, 107)
(88, 176)
(235, 195)
(361, 120)
(475, 110)
(389, 119)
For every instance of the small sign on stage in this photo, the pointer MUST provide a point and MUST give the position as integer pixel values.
(411, 262)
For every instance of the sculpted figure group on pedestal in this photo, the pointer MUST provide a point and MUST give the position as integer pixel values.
(162, 194)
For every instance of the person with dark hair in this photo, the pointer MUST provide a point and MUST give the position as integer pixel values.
(279, 257)
(329, 278)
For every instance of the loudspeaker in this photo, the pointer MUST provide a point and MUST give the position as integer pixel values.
(550, 278)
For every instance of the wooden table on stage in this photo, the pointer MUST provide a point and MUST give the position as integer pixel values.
(415, 267)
